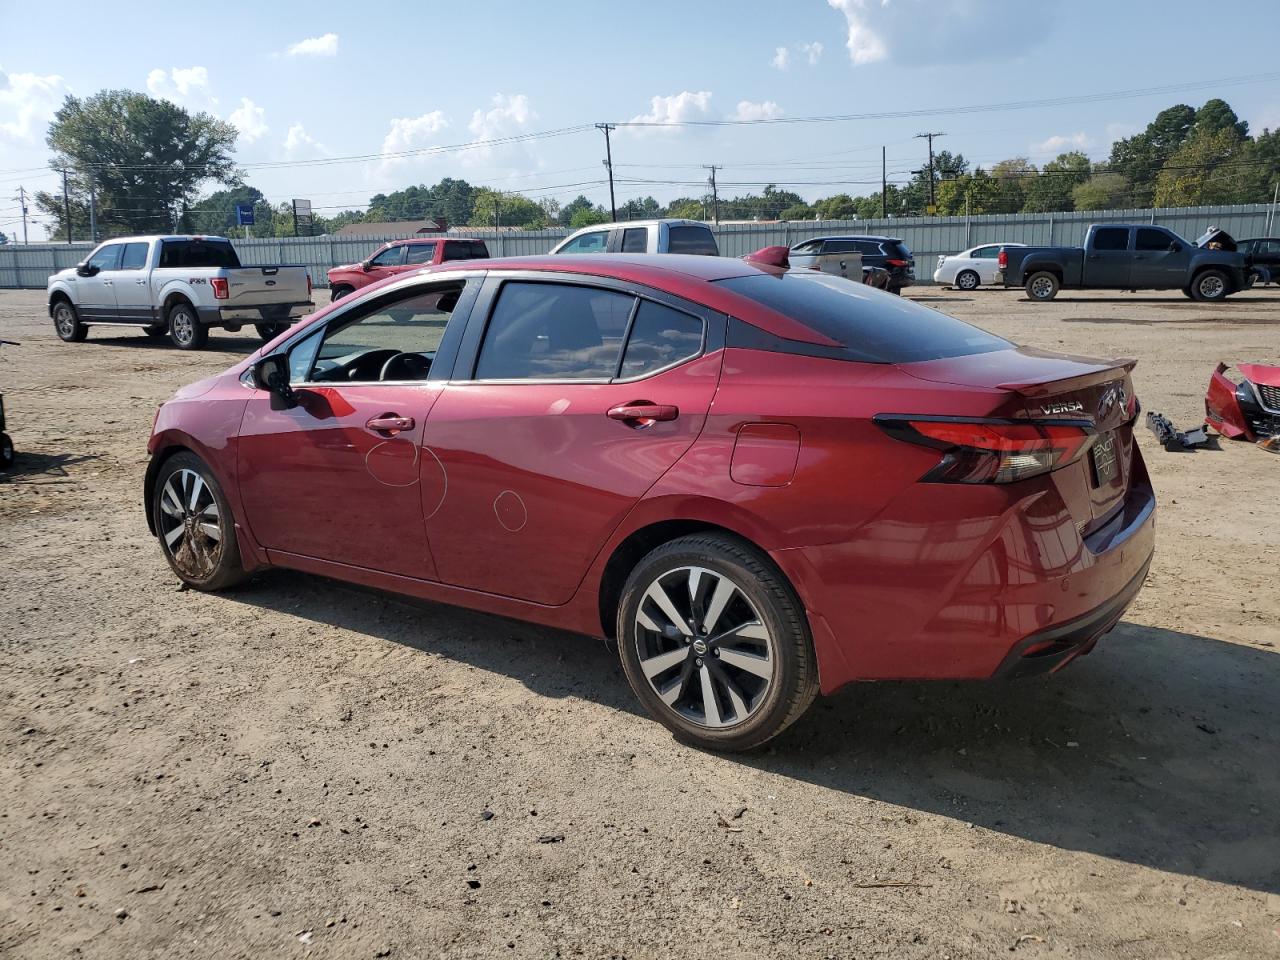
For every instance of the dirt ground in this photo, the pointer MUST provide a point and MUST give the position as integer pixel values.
(300, 768)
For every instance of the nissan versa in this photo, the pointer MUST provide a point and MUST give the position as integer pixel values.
(762, 483)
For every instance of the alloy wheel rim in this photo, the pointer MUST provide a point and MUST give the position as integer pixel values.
(1211, 286)
(703, 647)
(967, 281)
(1041, 287)
(62, 320)
(182, 326)
(191, 524)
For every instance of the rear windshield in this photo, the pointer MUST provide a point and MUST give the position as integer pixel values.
(896, 248)
(199, 253)
(692, 239)
(873, 326)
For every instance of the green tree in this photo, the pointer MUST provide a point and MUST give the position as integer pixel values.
(1139, 158)
(216, 213)
(797, 211)
(690, 208)
(1217, 115)
(1051, 191)
(454, 200)
(970, 193)
(3, 239)
(1012, 177)
(588, 216)
(838, 207)
(1212, 167)
(1102, 191)
(147, 159)
(495, 208)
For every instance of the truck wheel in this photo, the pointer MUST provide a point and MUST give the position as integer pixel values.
(967, 280)
(1042, 286)
(1210, 285)
(1186, 292)
(337, 293)
(66, 323)
(269, 331)
(156, 331)
(185, 329)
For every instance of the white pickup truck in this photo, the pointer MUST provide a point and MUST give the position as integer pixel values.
(175, 286)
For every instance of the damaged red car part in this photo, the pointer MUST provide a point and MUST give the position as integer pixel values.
(1248, 410)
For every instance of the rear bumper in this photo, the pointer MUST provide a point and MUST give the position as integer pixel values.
(268, 313)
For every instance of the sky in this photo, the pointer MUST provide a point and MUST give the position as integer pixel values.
(336, 102)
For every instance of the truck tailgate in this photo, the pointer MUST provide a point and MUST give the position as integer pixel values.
(260, 286)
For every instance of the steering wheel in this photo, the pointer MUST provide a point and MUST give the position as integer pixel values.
(405, 366)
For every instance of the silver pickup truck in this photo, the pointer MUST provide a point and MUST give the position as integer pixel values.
(175, 286)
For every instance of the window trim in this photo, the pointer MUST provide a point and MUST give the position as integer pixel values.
(146, 255)
(714, 325)
(117, 245)
(566, 249)
(386, 266)
(418, 246)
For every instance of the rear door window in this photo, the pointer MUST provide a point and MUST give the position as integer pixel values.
(985, 253)
(554, 331)
(660, 337)
(459, 250)
(478, 250)
(840, 246)
(198, 253)
(635, 240)
(808, 247)
(134, 256)
(870, 326)
(692, 238)
(1111, 238)
(421, 253)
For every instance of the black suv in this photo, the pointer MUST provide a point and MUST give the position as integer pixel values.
(1264, 253)
(890, 253)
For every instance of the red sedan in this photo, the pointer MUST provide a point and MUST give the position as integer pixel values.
(762, 483)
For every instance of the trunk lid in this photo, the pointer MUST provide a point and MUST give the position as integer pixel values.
(264, 286)
(1040, 385)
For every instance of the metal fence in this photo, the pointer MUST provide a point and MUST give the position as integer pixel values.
(30, 266)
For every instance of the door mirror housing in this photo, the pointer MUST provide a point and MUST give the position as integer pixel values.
(366, 266)
(272, 374)
(84, 270)
(1175, 246)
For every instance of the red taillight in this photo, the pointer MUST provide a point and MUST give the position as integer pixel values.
(996, 452)
(219, 285)
(896, 263)
(1003, 259)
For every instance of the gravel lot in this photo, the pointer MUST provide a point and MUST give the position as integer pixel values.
(303, 768)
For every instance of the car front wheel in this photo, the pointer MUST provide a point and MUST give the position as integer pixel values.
(715, 643)
(1211, 285)
(66, 323)
(194, 525)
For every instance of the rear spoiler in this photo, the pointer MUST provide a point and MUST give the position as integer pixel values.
(778, 256)
(1043, 388)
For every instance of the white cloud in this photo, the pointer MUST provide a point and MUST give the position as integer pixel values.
(747, 110)
(934, 32)
(781, 58)
(184, 86)
(1059, 143)
(410, 133)
(509, 113)
(322, 46)
(298, 143)
(677, 108)
(28, 102)
(812, 52)
(249, 119)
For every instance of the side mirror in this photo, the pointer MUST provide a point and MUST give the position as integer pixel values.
(84, 270)
(272, 374)
(1175, 246)
(366, 266)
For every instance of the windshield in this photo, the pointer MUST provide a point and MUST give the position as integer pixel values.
(873, 326)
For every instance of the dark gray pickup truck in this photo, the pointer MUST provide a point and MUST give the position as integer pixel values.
(1128, 257)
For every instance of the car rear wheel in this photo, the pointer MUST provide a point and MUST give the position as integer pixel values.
(715, 643)
(967, 280)
(1042, 286)
(185, 329)
(1210, 285)
(337, 293)
(269, 331)
(194, 525)
(66, 323)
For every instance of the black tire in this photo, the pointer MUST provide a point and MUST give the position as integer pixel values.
(751, 708)
(156, 331)
(1210, 285)
(6, 452)
(896, 291)
(1186, 292)
(185, 329)
(66, 322)
(968, 280)
(338, 292)
(192, 555)
(1042, 286)
(269, 331)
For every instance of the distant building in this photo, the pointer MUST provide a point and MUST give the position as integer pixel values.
(394, 228)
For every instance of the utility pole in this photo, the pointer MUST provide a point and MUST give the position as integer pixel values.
(608, 163)
(929, 137)
(884, 187)
(715, 196)
(93, 209)
(66, 204)
(497, 214)
(22, 203)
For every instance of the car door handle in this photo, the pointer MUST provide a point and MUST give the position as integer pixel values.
(642, 413)
(141, 283)
(390, 423)
(1095, 256)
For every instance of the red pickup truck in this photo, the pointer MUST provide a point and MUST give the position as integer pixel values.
(401, 256)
